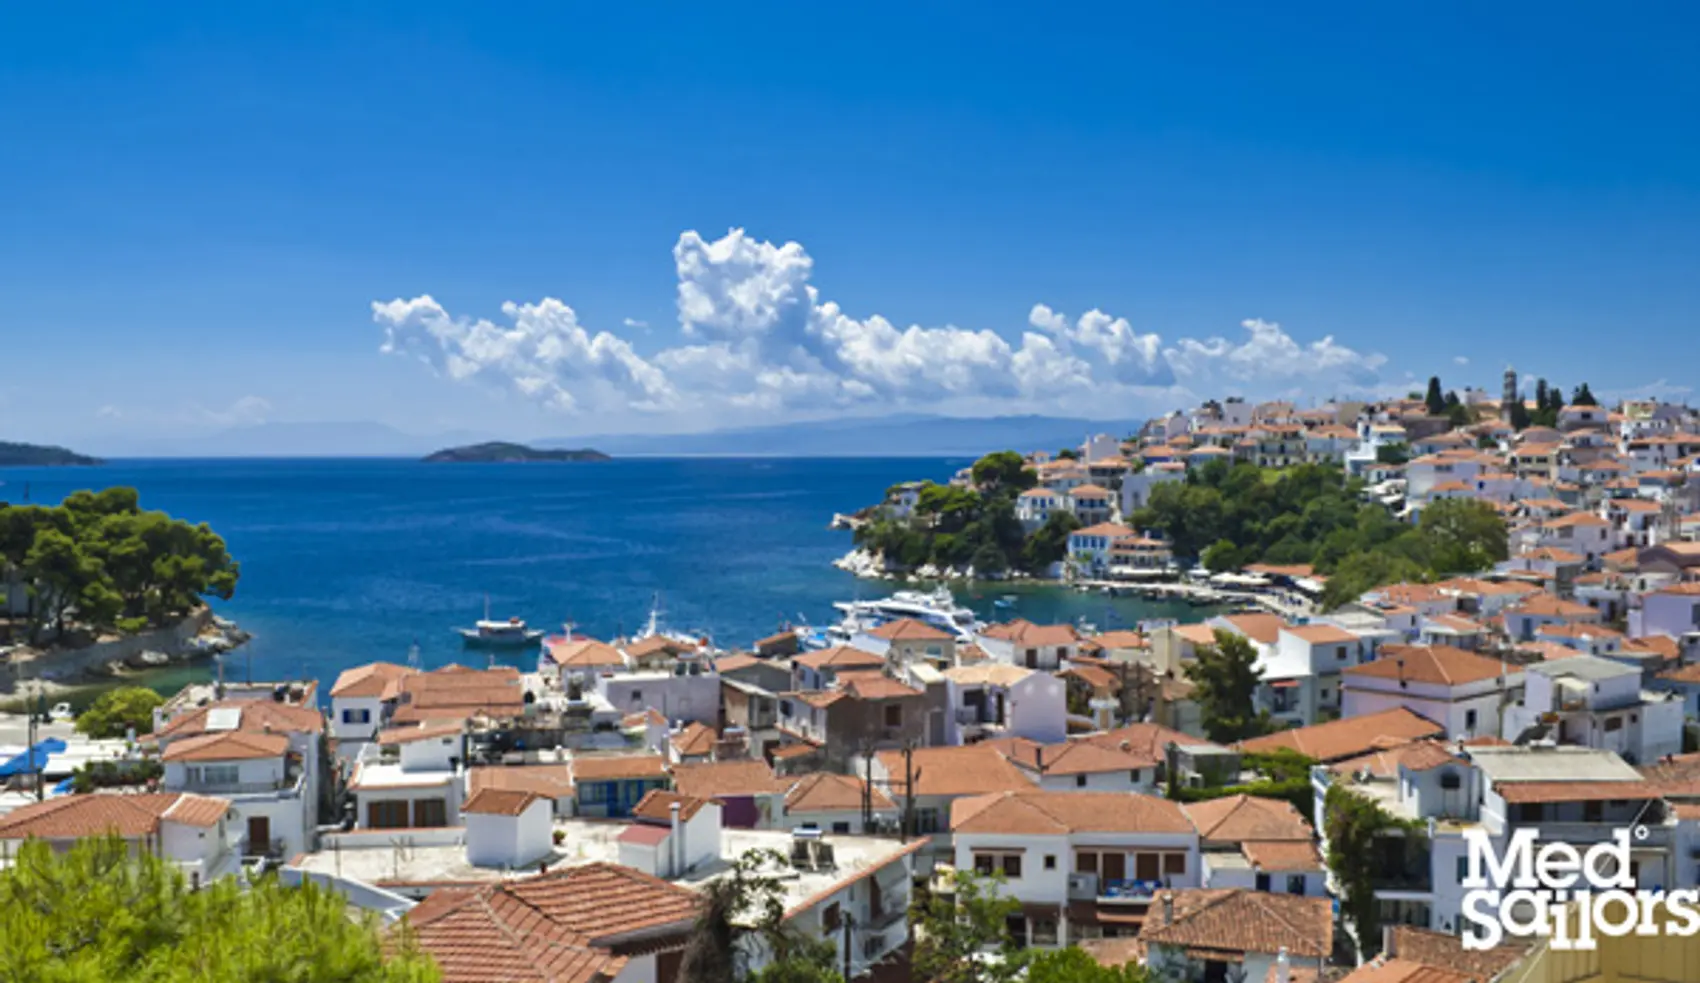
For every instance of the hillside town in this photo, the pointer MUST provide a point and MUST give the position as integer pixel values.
(1280, 792)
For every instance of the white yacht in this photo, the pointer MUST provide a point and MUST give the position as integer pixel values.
(489, 633)
(937, 607)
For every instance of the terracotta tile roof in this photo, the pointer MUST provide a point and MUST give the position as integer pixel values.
(1660, 645)
(550, 781)
(1040, 812)
(232, 745)
(130, 816)
(1235, 920)
(602, 768)
(733, 663)
(1436, 665)
(1108, 530)
(1548, 606)
(1385, 763)
(656, 645)
(647, 834)
(1077, 757)
(1147, 741)
(1245, 817)
(421, 732)
(1122, 639)
(500, 802)
(1321, 634)
(584, 653)
(1100, 679)
(1447, 952)
(644, 718)
(694, 740)
(840, 657)
(657, 806)
(1023, 632)
(1589, 791)
(255, 715)
(1411, 593)
(1089, 491)
(1348, 737)
(375, 680)
(1404, 971)
(556, 928)
(1264, 628)
(826, 792)
(728, 779)
(909, 630)
(1547, 651)
(875, 686)
(456, 692)
(1282, 855)
(984, 673)
(970, 769)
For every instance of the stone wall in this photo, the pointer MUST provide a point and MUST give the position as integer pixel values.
(69, 664)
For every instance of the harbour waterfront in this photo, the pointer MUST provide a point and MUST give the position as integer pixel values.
(346, 561)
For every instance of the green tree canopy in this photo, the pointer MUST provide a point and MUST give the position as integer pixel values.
(117, 710)
(1464, 535)
(97, 913)
(963, 937)
(1074, 965)
(100, 560)
(746, 905)
(1003, 472)
(1433, 401)
(1584, 396)
(1226, 676)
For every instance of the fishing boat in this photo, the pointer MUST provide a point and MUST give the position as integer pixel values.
(489, 633)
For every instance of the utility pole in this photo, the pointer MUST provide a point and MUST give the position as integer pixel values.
(849, 920)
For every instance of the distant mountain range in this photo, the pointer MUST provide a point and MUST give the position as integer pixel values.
(38, 455)
(899, 435)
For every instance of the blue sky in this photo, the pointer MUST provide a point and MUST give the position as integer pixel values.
(199, 207)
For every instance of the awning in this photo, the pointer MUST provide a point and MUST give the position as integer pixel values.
(1284, 684)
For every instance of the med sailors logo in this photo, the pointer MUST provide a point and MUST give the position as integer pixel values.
(1567, 895)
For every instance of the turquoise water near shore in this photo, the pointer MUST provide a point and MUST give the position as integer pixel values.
(346, 561)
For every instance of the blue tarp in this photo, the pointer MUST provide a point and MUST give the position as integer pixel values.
(32, 760)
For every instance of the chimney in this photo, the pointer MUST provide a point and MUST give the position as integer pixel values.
(1283, 967)
(1168, 907)
(1039, 759)
(676, 842)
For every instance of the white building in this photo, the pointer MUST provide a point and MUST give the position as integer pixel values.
(1114, 850)
(992, 699)
(198, 833)
(1207, 934)
(411, 778)
(507, 829)
(1597, 703)
(671, 835)
(1464, 692)
(1023, 643)
(359, 702)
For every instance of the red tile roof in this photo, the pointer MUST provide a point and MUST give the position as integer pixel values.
(1234, 920)
(130, 816)
(1245, 817)
(1349, 737)
(602, 768)
(500, 802)
(375, 680)
(726, 779)
(234, 745)
(826, 792)
(840, 657)
(909, 630)
(1039, 812)
(657, 806)
(1437, 665)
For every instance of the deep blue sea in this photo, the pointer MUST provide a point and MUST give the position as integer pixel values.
(346, 561)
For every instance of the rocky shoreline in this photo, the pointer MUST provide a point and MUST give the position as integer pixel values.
(200, 636)
(872, 566)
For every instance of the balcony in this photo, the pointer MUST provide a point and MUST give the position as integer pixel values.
(286, 788)
(1129, 890)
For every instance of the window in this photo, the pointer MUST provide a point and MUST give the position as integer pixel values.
(1613, 723)
(1262, 882)
(356, 716)
(637, 696)
(1174, 863)
(389, 814)
(841, 827)
(1469, 720)
(785, 708)
(1012, 866)
(1009, 864)
(1463, 869)
(1295, 883)
(829, 917)
(1340, 653)
(1050, 861)
(1080, 781)
(593, 793)
(985, 864)
(894, 715)
(1085, 862)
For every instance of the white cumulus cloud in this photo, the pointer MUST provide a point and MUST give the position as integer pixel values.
(755, 334)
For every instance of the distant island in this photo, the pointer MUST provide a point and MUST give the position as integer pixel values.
(502, 451)
(36, 455)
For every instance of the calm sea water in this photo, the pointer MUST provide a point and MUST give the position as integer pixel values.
(347, 561)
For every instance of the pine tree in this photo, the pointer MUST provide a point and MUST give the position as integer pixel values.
(1434, 402)
(1584, 396)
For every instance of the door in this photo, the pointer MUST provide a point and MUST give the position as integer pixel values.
(1112, 867)
(259, 835)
